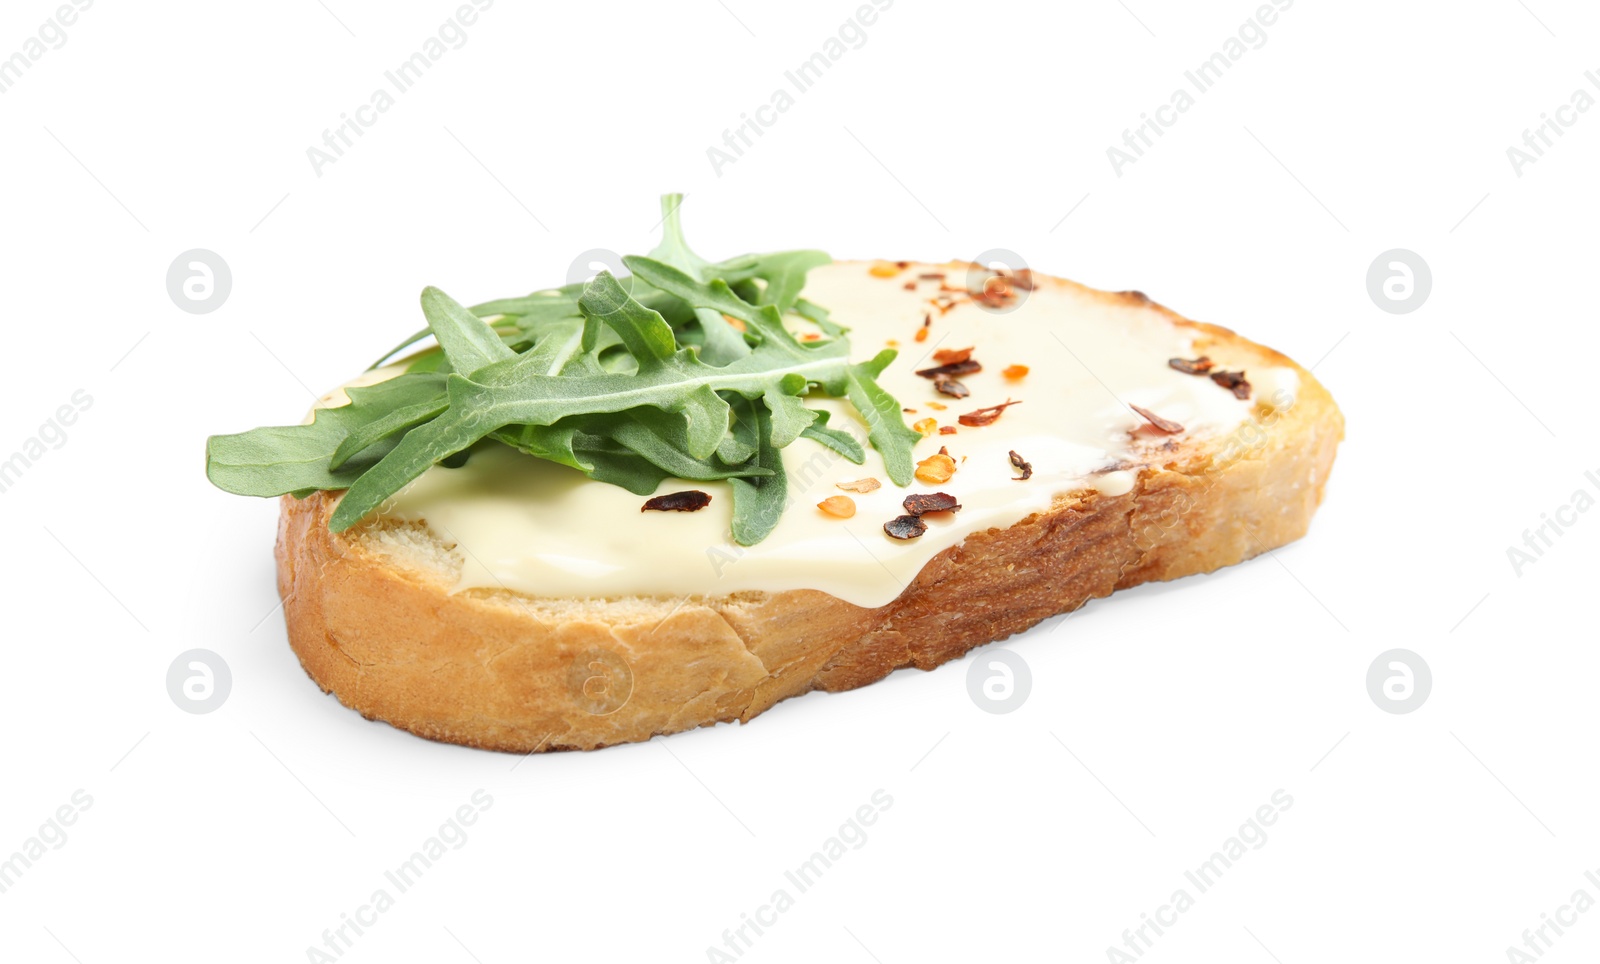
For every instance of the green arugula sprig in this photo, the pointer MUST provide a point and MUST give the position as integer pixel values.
(629, 385)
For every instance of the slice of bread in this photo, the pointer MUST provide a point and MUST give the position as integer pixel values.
(376, 616)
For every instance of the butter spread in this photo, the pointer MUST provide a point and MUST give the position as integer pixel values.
(532, 526)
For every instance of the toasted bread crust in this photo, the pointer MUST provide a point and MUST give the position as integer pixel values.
(380, 628)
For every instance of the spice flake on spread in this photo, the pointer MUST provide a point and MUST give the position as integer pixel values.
(905, 527)
(860, 486)
(923, 503)
(1233, 382)
(1164, 425)
(987, 416)
(838, 506)
(691, 500)
(1196, 366)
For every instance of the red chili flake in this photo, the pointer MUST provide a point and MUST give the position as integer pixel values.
(691, 500)
(1234, 382)
(911, 286)
(932, 276)
(931, 502)
(952, 356)
(1022, 465)
(947, 430)
(955, 368)
(905, 527)
(909, 411)
(945, 385)
(1023, 279)
(996, 292)
(927, 319)
(1165, 425)
(902, 265)
(987, 416)
(1198, 366)
(862, 486)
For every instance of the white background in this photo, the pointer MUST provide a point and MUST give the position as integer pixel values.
(1159, 720)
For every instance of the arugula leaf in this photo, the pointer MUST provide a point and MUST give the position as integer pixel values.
(417, 451)
(886, 427)
(296, 459)
(790, 417)
(511, 392)
(837, 439)
(722, 344)
(818, 315)
(366, 435)
(467, 341)
(759, 503)
(632, 385)
(785, 275)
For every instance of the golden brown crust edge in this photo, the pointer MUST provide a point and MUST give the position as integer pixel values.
(499, 670)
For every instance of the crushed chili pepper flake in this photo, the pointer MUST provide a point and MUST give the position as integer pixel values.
(951, 356)
(893, 343)
(1015, 372)
(905, 527)
(1164, 425)
(810, 336)
(945, 385)
(838, 506)
(996, 293)
(932, 276)
(922, 335)
(882, 270)
(1023, 279)
(911, 286)
(1194, 366)
(987, 416)
(690, 500)
(923, 503)
(861, 486)
(947, 430)
(909, 411)
(902, 265)
(937, 407)
(936, 468)
(1234, 382)
(1022, 465)
(926, 426)
(954, 368)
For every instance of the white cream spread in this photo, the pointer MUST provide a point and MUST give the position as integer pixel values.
(539, 528)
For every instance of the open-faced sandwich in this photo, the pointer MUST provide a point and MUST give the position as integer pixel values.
(674, 497)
